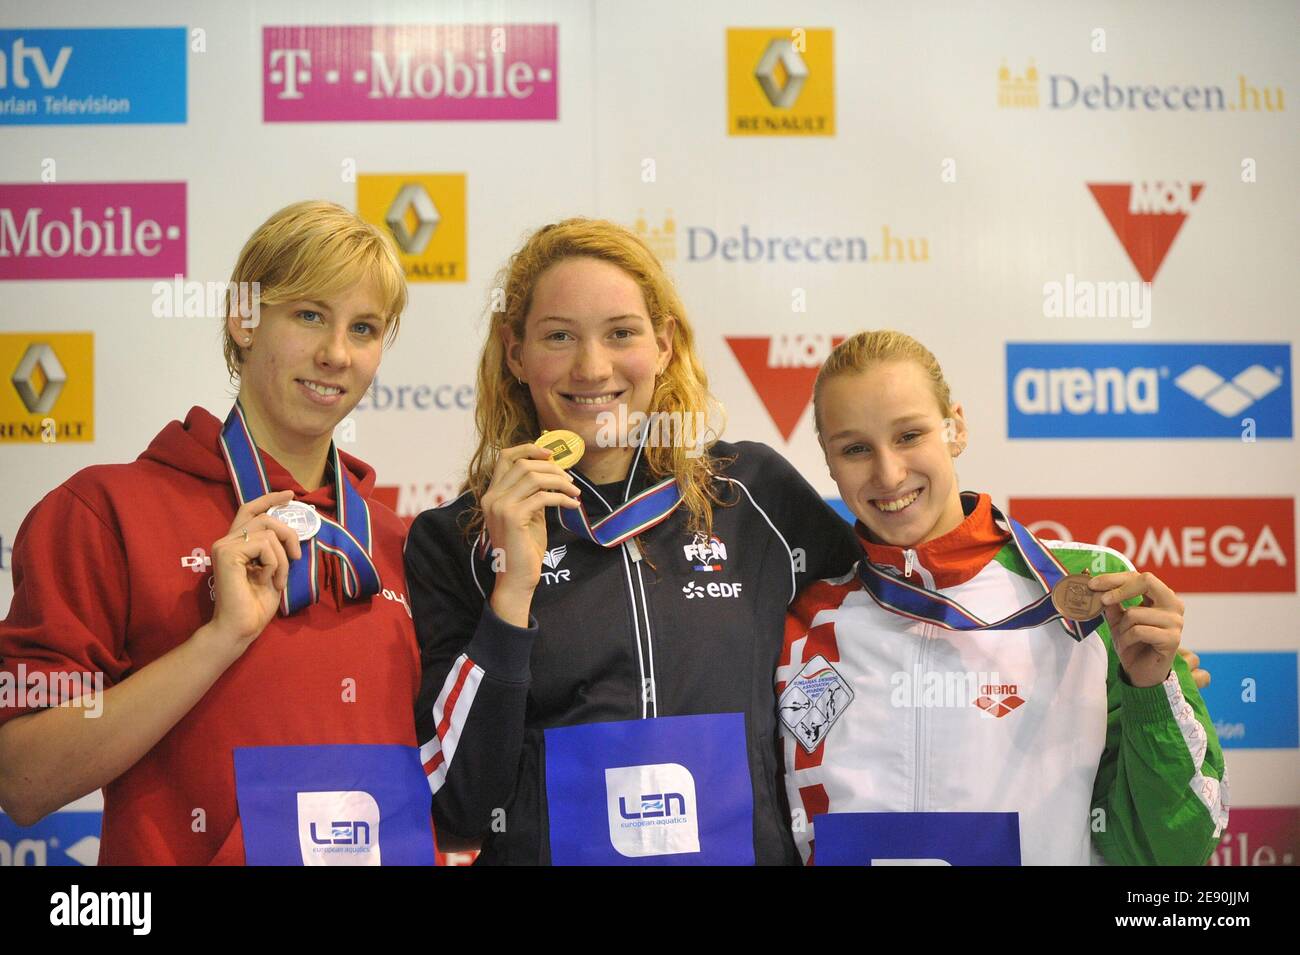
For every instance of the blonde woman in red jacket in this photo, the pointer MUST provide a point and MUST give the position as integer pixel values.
(238, 678)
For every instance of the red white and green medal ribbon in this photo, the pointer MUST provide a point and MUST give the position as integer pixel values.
(901, 596)
(650, 507)
(347, 538)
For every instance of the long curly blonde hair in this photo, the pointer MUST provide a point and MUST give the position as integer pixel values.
(504, 412)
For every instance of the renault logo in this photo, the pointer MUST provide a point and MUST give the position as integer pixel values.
(39, 356)
(412, 197)
(781, 51)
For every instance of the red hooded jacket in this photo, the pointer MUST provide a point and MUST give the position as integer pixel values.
(112, 570)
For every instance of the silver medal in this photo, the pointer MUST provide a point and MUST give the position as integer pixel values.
(302, 518)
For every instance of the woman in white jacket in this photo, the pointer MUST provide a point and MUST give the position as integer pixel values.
(968, 693)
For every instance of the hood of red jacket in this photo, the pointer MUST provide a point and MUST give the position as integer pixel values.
(194, 446)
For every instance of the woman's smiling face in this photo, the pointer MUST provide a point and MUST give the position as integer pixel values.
(588, 347)
(890, 450)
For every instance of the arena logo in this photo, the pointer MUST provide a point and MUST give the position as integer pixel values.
(415, 72)
(1194, 544)
(1165, 390)
(65, 838)
(103, 230)
(408, 501)
(425, 215)
(1022, 91)
(50, 395)
(782, 369)
(1146, 217)
(92, 76)
(780, 82)
(1253, 698)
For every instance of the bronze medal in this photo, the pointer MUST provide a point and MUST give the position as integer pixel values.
(1074, 599)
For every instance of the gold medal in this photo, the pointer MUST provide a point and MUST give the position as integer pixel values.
(1075, 599)
(566, 447)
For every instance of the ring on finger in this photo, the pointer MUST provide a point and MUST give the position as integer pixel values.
(245, 535)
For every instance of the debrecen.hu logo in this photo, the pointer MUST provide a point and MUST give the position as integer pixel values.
(1109, 94)
(1164, 390)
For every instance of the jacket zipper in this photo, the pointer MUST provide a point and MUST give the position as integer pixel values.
(630, 550)
(649, 688)
(919, 776)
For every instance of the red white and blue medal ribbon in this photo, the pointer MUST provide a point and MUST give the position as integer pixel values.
(347, 538)
(650, 507)
(902, 597)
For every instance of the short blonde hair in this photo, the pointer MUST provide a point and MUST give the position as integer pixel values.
(865, 349)
(316, 249)
(505, 413)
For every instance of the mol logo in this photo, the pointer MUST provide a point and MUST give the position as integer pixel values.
(1194, 544)
(780, 82)
(409, 501)
(652, 810)
(1120, 390)
(782, 369)
(338, 828)
(425, 215)
(1146, 217)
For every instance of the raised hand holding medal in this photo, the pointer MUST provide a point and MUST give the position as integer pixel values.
(250, 569)
(525, 481)
(1146, 637)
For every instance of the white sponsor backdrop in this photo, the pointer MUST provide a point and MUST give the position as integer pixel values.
(642, 132)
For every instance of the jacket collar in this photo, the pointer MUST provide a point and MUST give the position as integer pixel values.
(951, 559)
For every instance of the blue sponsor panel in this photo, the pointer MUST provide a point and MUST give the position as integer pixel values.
(1252, 699)
(1115, 390)
(917, 838)
(92, 76)
(669, 791)
(61, 838)
(346, 804)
